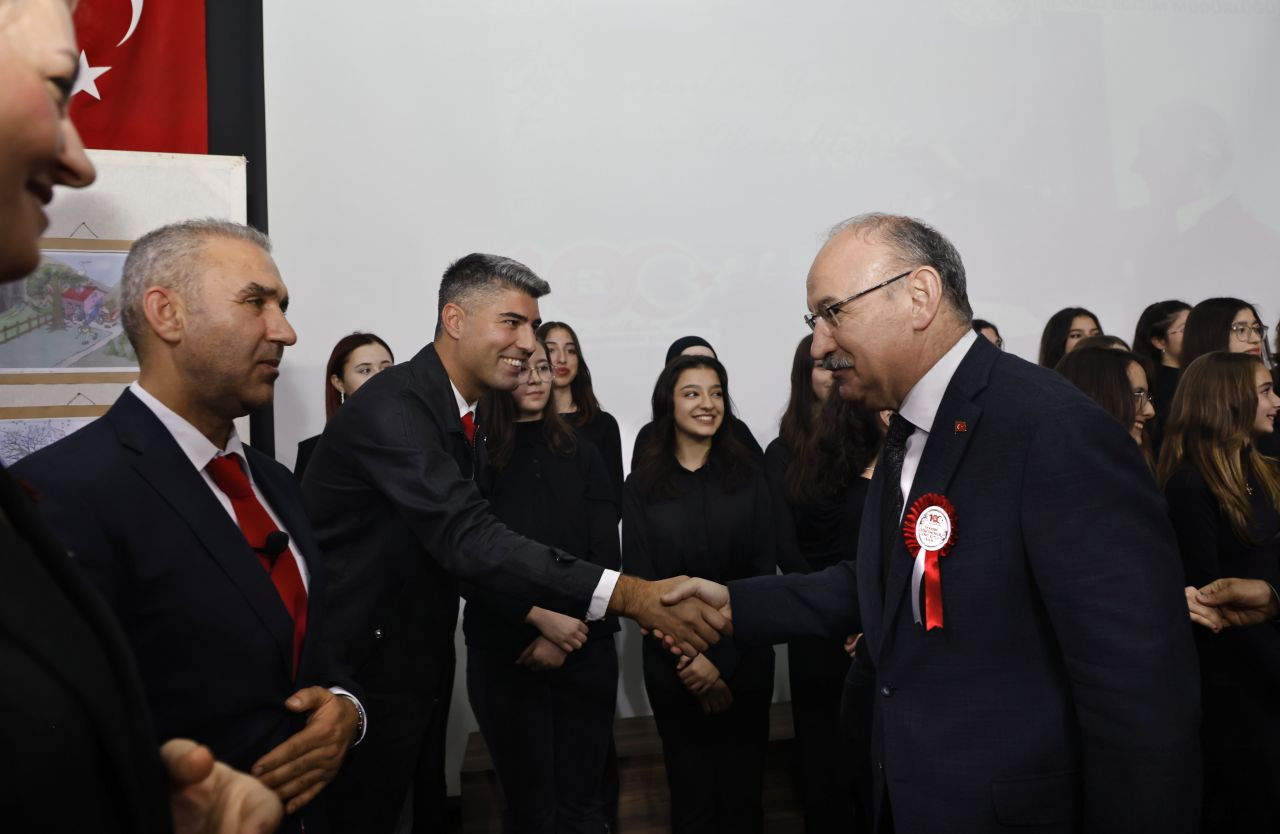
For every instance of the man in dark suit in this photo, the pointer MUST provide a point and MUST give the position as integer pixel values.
(198, 543)
(390, 490)
(1060, 692)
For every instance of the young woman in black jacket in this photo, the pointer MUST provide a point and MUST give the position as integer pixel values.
(696, 503)
(818, 470)
(543, 685)
(575, 398)
(1224, 500)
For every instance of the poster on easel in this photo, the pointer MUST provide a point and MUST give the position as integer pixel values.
(64, 356)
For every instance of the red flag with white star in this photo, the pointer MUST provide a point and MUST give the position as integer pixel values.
(142, 83)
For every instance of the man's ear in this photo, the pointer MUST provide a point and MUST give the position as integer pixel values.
(166, 314)
(453, 319)
(925, 287)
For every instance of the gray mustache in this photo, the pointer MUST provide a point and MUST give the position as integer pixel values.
(831, 362)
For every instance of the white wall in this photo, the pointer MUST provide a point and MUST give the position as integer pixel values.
(670, 166)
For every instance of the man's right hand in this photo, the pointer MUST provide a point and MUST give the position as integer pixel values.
(1238, 602)
(687, 623)
(208, 797)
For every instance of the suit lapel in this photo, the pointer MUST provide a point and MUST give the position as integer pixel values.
(161, 463)
(954, 424)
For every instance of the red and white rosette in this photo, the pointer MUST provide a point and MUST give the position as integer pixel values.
(929, 528)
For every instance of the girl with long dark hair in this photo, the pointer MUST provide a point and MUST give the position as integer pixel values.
(543, 685)
(818, 470)
(1224, 500)
(696, 503)
(575, 398)
(1117, 380)
(1226, 324)
(696, 346)
(1063, 331)
(354, 360)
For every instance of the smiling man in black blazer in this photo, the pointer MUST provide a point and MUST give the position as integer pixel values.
(392, 494)
(1051, 685)
(167, 512)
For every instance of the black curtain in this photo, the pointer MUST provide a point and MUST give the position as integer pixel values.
(237, 125)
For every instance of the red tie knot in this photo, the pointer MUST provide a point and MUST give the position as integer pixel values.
(230, 476)
(469, 426)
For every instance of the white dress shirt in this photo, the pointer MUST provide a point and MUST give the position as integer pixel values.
(200, 451)
(921, 405)
(608, 578)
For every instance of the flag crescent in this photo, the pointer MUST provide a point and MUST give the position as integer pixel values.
(133, 24)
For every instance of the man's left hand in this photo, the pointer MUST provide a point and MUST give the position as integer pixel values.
(304, 763)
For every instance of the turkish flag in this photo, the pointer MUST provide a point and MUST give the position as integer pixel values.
(143, 83)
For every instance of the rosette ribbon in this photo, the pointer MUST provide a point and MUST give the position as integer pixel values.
(929, 530)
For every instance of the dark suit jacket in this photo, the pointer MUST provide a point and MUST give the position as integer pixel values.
(1062, 691)
(211, 636)
(78, 752)
(390, 490)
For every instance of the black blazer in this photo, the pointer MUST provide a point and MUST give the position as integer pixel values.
(78, 750)
(564, 500)
(1241, 665)
(1062, 691)
(211, 636)
(709, 530)
(390, 490)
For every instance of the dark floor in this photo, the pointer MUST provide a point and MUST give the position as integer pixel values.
(643, 803)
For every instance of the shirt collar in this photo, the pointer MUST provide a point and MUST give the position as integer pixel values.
(198, 448)
(463, 405)
(924, 399)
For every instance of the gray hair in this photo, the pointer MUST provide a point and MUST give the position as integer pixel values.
(477, 275)
(916, 243)
(167, 257)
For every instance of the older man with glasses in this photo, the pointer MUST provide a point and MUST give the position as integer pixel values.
(1020, 595)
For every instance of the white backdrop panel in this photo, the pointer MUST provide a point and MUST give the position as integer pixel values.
(670, 166)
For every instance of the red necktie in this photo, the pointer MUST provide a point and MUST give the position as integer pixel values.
(469, 426)
(256, 524)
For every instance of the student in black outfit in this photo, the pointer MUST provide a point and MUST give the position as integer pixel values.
(1232, 325)
(1224, 499)
(1063, 331)
(1158, 337)
(1117, 381)
(697, 503)
(575, 398)
(543, 685)
(818, 470)
(1228, 324)
(696, 346)
(354, 360)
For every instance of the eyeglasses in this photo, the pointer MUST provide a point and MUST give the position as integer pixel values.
(829, 312)
(1141, 397)
(542, 370)
(1241, 331)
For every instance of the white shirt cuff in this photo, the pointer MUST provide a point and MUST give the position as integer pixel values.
(364, 718)
(604, 592)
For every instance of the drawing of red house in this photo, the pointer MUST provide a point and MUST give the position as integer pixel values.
(82, 303)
